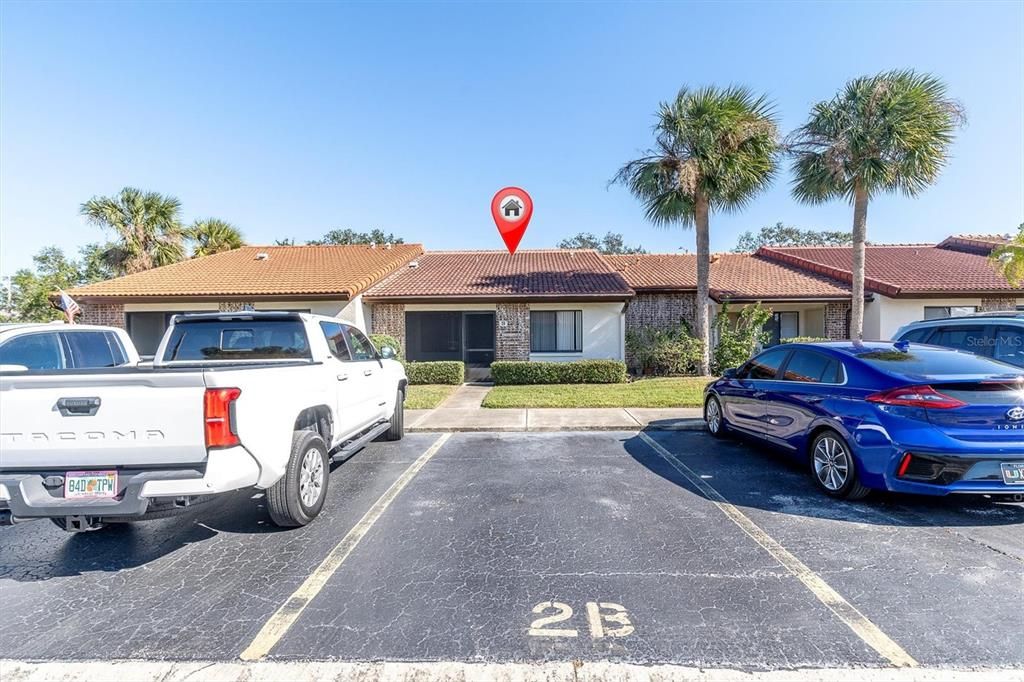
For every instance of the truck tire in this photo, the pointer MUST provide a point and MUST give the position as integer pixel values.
(397, 429)
(298, 497)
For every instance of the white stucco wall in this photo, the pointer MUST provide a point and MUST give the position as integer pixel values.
(884, 316)
(604, 329)
(353, 312)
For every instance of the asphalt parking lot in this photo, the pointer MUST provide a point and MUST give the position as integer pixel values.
(662, 547)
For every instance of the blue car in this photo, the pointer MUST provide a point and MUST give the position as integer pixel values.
(866, 416)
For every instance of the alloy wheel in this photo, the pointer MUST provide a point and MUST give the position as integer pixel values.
(311, 477)
(831, 463)
(713, 416)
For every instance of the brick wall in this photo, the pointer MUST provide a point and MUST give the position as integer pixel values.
(107, 314)
(660, 311)
(837, 320)
(513, 334)
(234, 306)
(994, 304)
(389, 318)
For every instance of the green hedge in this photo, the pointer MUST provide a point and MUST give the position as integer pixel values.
(511, 372)
(381, 340)
(446, 372)
(803, 339)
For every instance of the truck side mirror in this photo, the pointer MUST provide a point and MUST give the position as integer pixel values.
(387, 353)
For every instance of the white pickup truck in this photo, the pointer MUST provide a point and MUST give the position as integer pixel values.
(232, 400)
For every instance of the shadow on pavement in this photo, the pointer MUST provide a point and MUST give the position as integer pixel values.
(752, 475)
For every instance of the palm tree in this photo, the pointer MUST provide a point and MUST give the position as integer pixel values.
(146, 224)
(885, 133)
(213, 236)
(715, 149)
(1009, 259)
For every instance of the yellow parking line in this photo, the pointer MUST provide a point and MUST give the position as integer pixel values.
(870, 633)
(275, 628)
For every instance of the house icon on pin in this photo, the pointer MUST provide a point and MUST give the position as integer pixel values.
(511, 208)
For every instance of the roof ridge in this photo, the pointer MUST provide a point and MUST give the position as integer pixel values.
(503, 251)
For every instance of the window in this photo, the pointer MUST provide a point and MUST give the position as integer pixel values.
(784, 325)
(335, 335)
(812, 367)
(922, 363)
(556, 331)
(972, 339)
(237, 340)
(766, 365)
(1009, 345)
(361, 347)
(937, 312)
(94, 349)
(917, 335)
(34, 351)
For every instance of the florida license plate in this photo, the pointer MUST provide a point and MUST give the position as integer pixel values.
(90, 484)
(1013, 473)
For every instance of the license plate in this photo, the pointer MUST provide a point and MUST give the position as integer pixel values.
(90, 484)
(1013, 473)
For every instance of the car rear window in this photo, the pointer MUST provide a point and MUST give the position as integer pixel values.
(925, 362)
(805, 365)
(94, 349)
(237, 340)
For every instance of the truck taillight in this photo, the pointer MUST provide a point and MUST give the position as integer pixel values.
(219, 412)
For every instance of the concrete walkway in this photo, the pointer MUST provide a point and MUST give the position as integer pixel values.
(462, 412)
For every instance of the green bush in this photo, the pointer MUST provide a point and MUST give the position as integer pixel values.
(512, 372)
(446, 372)
(656, 351)
(381, 340)
(737, 340)
(803, 339)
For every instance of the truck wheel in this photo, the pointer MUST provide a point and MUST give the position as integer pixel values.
(298, 497)
(397, 429)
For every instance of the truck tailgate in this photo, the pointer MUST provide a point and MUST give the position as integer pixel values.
(128, 417)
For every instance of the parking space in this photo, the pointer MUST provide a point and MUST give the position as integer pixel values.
(539, 547)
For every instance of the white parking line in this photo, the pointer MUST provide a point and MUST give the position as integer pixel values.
(275, 628)
(870, 633)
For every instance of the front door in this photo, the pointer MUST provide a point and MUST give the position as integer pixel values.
(479, 338)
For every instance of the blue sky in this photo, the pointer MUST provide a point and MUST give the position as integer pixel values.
(290, 120)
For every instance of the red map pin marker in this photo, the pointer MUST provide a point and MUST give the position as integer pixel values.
(512, 209)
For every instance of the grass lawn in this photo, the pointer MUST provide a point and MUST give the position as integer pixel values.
(427, 396)
(658, 392)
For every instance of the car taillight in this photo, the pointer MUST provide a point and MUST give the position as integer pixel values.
(219, 411)
(916, 396)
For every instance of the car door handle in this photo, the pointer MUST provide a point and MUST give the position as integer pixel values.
(342, 377)
(759, 394)
(367, 372)
(814, 398)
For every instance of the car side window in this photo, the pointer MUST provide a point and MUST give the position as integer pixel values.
(962, 337)
(1009, 345)
(34, 351)
(361, 347)
(91, 349)
(917, 335)
(334, 333)
(808, 366)
(766, 365)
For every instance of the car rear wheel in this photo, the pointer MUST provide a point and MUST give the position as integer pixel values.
(713, 419)
(833, 467)
(298, 497)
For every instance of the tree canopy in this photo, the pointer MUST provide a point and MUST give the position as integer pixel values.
(212, 235)
(611, 244)
(147, 226)
(1009, 259)
(348, 236)
(788, 235)
(31, 288)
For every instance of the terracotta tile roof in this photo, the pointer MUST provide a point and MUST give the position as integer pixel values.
(901, 270)
(733, 276)
(342, 271)
(975, 243)
(459, 275)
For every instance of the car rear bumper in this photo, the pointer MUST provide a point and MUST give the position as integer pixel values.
(40, 494)
(934, 472)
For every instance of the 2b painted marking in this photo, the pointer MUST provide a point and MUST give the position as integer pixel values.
(606, 619)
